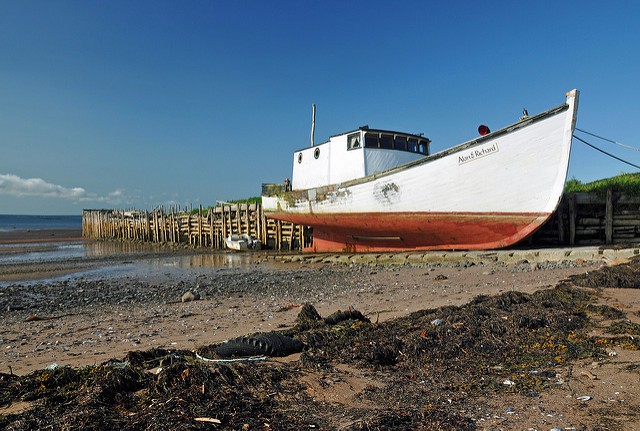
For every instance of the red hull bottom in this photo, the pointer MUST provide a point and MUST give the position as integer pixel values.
(371, 232)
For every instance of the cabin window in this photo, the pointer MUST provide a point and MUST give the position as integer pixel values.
(316, 153)
(400, 143)
(371, 140)
(423, 147)
(353, 142)
(412, 145)
(386, 141)
(391, 142)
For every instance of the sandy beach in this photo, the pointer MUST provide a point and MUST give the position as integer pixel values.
(85, 321)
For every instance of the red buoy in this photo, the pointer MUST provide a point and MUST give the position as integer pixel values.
(483, 130)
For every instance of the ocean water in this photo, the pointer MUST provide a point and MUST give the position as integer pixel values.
(10, 222)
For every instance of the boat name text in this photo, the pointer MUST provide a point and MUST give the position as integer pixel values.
(477, 153)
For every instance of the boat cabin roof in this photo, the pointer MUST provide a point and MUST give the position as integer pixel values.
(383, 139)
(388, 132)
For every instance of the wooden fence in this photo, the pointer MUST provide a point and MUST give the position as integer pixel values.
(581, 219)
(592, 219)
(205, 228)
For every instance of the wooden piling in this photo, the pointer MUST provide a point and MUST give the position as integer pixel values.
(609, 217)
(203, 229)
(572, 220)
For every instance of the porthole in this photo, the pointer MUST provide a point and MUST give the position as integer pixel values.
(299, 157)
(316, 153)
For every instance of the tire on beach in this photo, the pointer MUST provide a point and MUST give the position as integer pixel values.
(268, 344)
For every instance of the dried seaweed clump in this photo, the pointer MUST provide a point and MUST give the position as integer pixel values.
(624, 276)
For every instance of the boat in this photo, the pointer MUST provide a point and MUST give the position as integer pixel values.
(371, 190)
(241, 242)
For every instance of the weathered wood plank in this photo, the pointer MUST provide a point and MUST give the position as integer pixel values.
(608, 228)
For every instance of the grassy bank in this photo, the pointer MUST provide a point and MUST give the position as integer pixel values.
(628, 183)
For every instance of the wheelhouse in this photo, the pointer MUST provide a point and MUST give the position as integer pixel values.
(355, 154)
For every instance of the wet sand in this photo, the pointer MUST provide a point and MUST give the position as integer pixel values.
(35, 236)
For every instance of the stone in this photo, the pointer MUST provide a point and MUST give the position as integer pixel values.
(190, 296)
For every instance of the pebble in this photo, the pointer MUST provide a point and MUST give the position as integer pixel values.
(190, 296)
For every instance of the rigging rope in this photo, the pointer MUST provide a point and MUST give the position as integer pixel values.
(608, 140)
(604, 152)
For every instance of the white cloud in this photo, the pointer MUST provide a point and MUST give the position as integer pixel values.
(13, 185)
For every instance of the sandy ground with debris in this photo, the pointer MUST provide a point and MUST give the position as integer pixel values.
(74, 333)
(77, 323)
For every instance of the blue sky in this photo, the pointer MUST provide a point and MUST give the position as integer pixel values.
(136, 104)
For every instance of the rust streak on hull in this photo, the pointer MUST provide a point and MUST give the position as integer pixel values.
(367, 232)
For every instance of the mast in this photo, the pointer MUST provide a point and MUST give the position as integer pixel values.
(313, 123)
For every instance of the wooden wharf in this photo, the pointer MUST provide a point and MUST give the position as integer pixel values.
(201, 228)
(587, 219)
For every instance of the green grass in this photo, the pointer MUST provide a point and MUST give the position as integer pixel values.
(249, 201)
(628, 183)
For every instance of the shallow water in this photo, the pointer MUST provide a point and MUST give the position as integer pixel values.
(40, 252)
(118, 260)
(159, 269)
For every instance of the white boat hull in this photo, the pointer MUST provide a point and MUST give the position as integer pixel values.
(486, 193)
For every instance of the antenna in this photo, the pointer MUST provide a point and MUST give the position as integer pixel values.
(313, 123)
